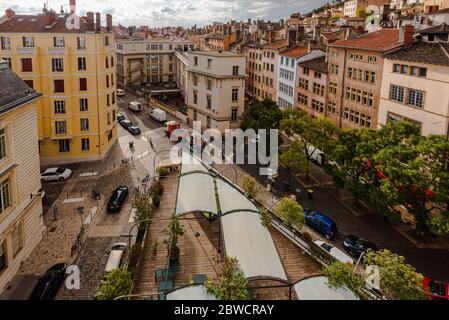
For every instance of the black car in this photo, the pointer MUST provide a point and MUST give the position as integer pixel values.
(120, 116)
(355, 246)
(49, 284)
(125, 124)
(133, 130)
(117, 199)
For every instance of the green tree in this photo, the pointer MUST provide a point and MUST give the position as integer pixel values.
(290, 211)
(118, 283)
(341, 274)
(144, 210)
(308, 134)
(361, 13)
(398, 280)
(263, 115)
(293, 157)
(250, 186)
(174, 230)
(231, 284)
(265, 218)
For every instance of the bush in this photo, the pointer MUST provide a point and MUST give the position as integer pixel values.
(157, 188)
(290, 212)
(250, 186)
(118, 283)
(162, 172)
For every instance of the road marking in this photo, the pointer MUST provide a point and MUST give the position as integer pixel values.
(72, 200)
(91, 216)
(88, 174)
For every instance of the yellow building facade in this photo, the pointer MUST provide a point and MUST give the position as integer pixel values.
(74, 69)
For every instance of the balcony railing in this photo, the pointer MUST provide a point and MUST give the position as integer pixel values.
(25, 50)
(56, 50)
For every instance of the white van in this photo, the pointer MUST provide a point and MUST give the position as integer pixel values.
(317, 156)
(120, 93)
(116, 256)
(159, 115)
(135, 106)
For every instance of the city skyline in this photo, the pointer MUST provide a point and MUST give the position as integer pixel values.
(173, 12)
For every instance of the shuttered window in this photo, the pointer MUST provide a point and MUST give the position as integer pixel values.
(83, 84)
(27, 65)
(59, 85)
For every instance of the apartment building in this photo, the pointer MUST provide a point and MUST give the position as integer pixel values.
(435, 5)
(312, 87)
(262, 67)
(148, 62)
(220, 42)
(355, 69)
(72, 62)
(351, 7)
(287, 76)
(415, 85)
(21, 222)
(213, 85)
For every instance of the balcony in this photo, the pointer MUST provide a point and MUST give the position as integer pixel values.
(56, 50)
(25, 50)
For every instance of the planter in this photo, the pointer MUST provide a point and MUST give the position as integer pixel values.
(174, 258)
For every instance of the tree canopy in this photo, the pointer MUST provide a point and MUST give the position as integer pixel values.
(118, 283)
(290, 211)
(263, 115)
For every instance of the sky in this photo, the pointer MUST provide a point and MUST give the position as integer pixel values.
(159, 13)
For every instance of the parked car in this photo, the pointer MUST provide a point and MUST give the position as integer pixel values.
(125, 123)
(321, 223)
(436, 290)
(49, 284)
(117, 199)
(55, 174)
(120, 116)
(115, 259)
(120, 93)
(334, 252)
(135, 106)
(355, 246)
(159, 115)
(133, 130)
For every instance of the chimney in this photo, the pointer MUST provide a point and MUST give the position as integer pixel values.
(10, 13)
(406, 35)
(98, 22)
(90, 21)
(50, 17)
(109, 22)
(72, 6)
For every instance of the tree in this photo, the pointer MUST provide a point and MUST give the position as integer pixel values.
(308, 134)
(290, 212)
(250, 186)
(265, 218)
(341, 274)
(144, 210)
(231, 284)
(361, 13)
(263, 115)
(398, 280)
(118, 283)
(173, 230)
(293, 157)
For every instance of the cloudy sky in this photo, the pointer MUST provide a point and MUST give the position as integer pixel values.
(157, 13)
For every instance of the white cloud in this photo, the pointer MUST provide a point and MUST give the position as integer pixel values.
(156, 13)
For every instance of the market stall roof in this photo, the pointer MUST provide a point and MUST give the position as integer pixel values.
(231, 199)
(196, 193)
(316, 288)
(190, 293)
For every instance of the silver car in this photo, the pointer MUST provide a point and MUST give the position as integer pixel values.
(55, 174)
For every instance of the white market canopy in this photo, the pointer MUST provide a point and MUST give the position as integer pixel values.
(190, 293)
(316, 288)
(244, 236)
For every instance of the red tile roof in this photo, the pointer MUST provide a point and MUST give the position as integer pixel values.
(294, 52)
(276, 45)
(381, 40)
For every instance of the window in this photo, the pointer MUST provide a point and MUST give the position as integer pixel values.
(113, 98)
(81, 43)
(28, 42)
(82, 64)
(396, 68)
(60, 127)
(404, 69)
(59, 85)
(209, 101)
(2, 144)
(304, 83)
(84, 124)
(106, 41)
(235, 70)
(59, 107)
(209, 63)
(305, 70)
(5, 195)
(170, 67)
(64, 145)
(195, 61)
(3, 260)
(235, 94)
(317, 74)
(318, 89)
(27, 65)
(195, 97)
(17, 240)
(195, 80)
(5, 43)
(30, 83)
(415, 98)
(302, 99)
(112, 61)
(83, 84)
(372, 59)
(84, 104)
(397, 93)
(107, 81)
(332, 88)
(422, 72)
(57, 64)
(108, 118)
(85, 144)
(58, 42)
(208, 121)
(209, 84)
(106, 61)
(318, 106)
(108, 100)
(234, 114)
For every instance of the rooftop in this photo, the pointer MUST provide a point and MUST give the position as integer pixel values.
(223, 54)
(423, 52)
(14, 92)
(442, 28)
(381, 40)
(276, 45)
(317, 64)
(294, 52)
